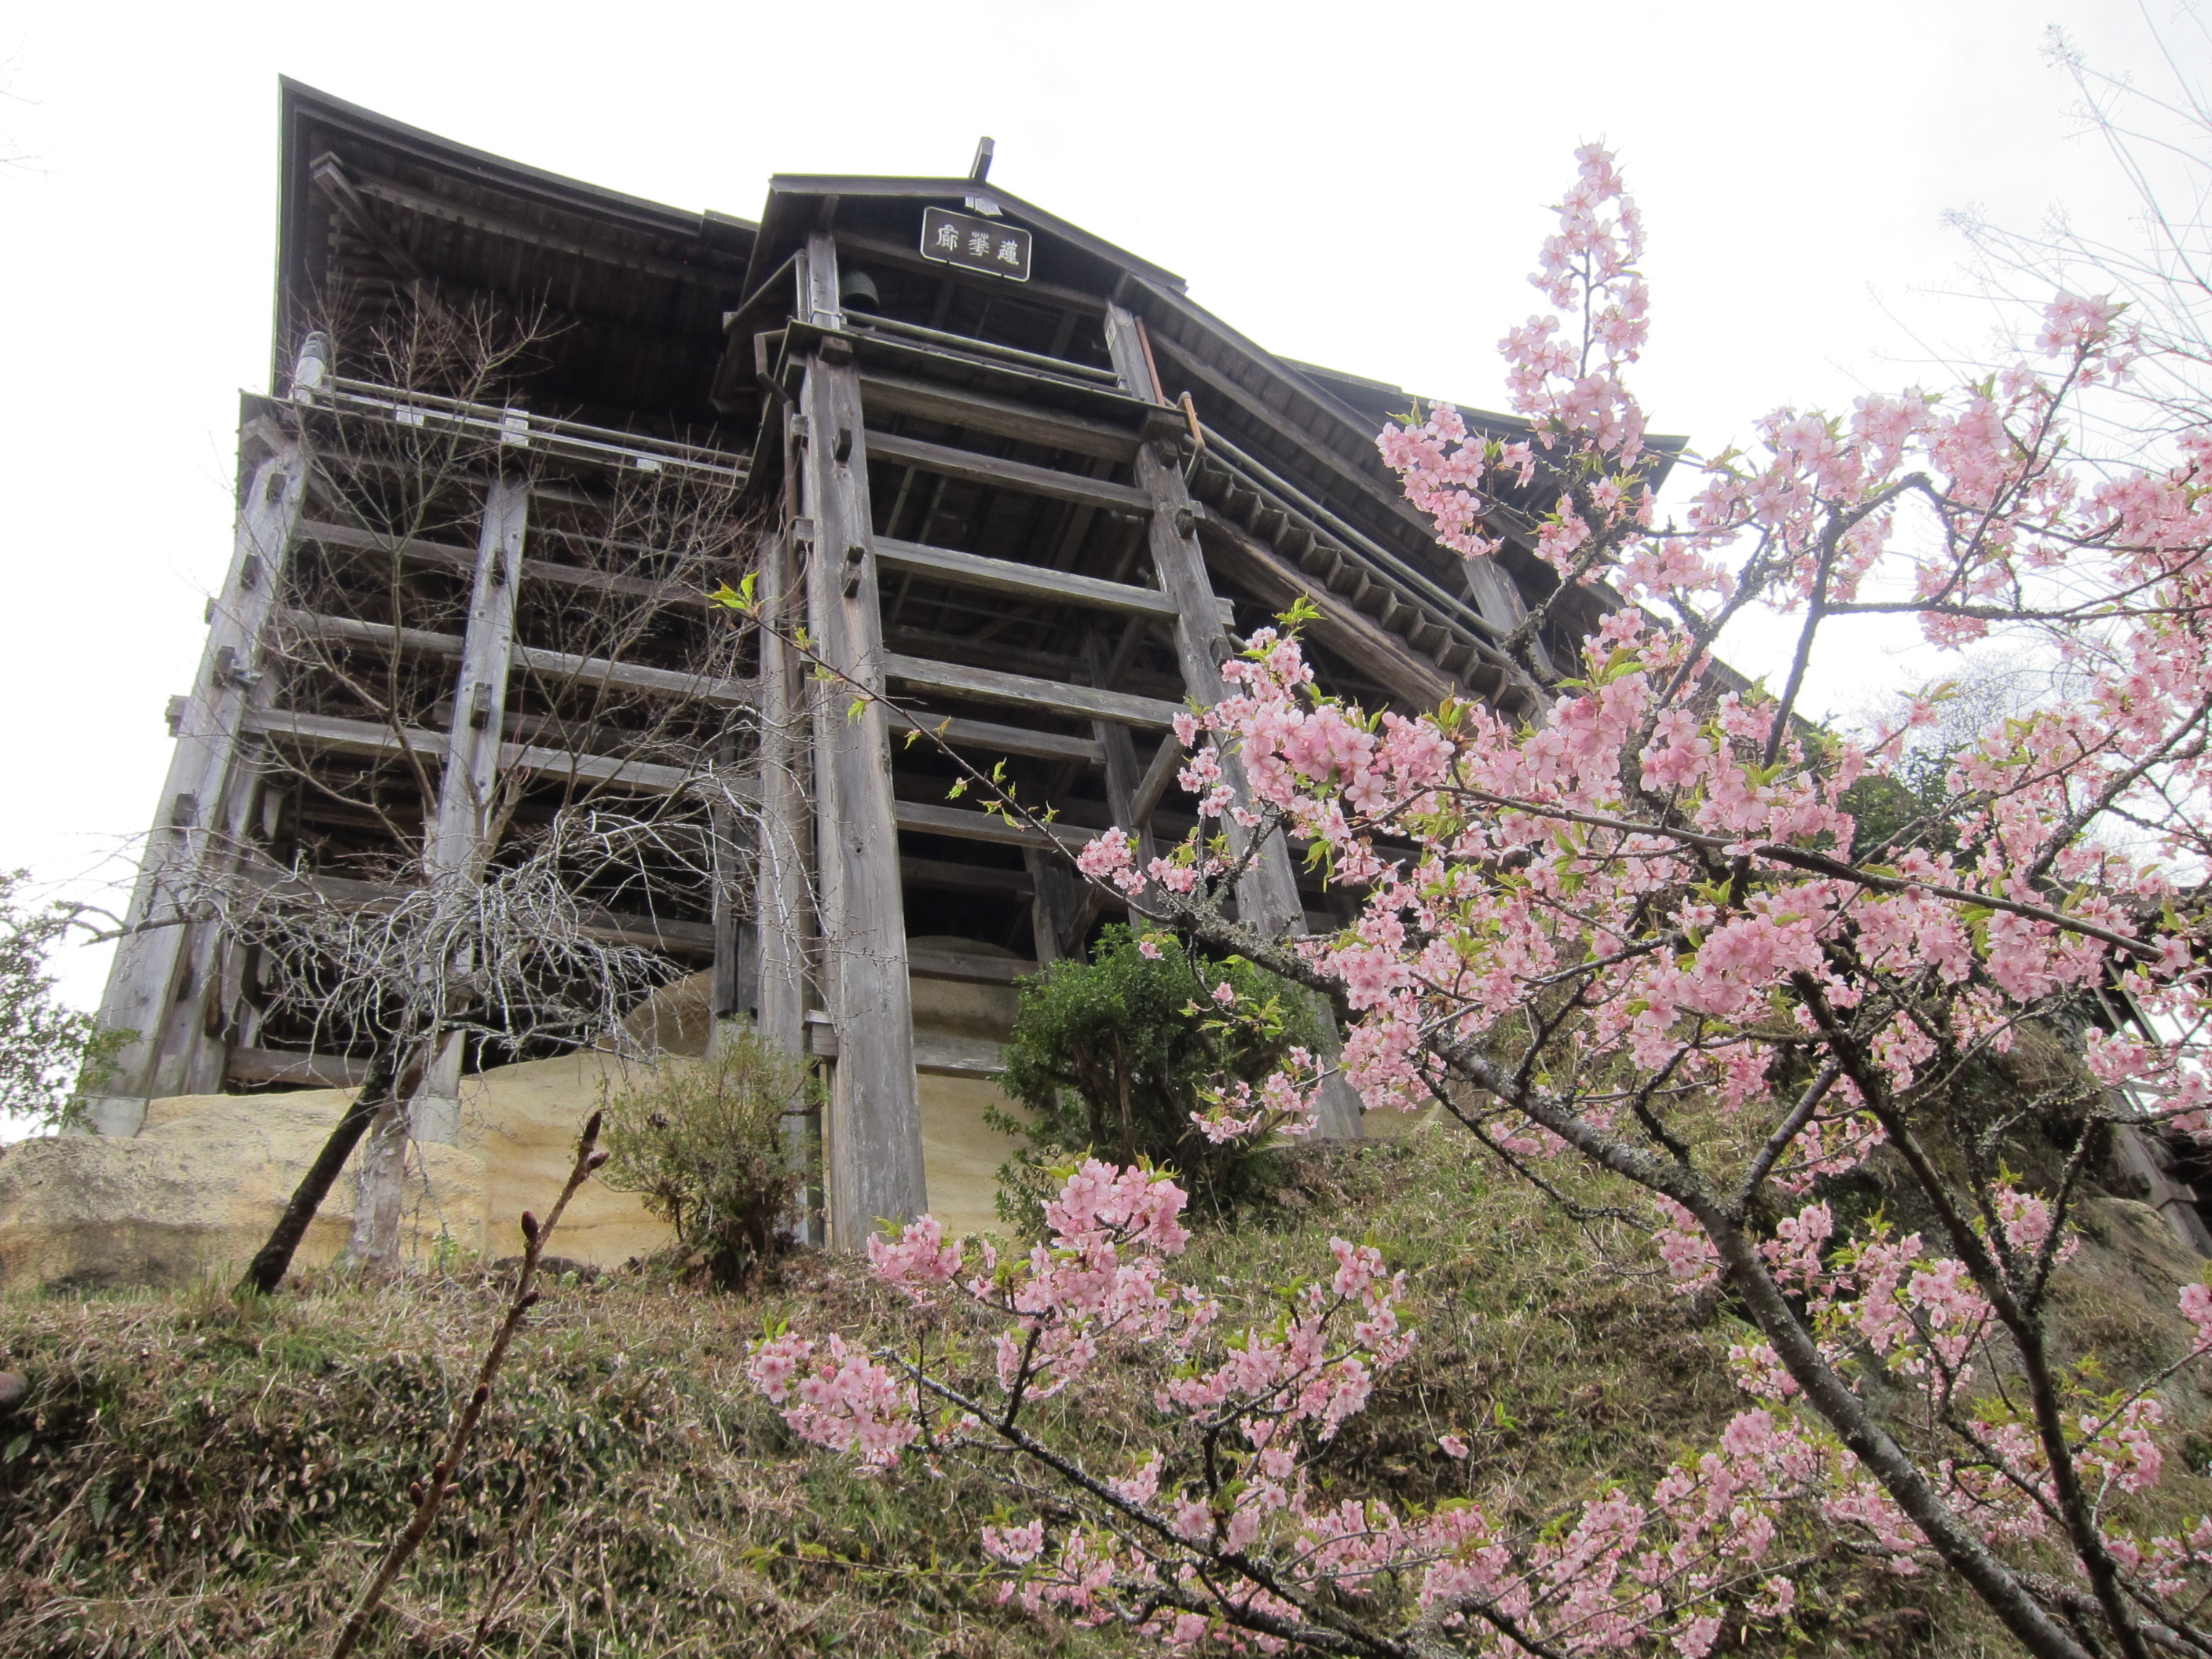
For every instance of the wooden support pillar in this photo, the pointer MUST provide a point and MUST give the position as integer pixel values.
(1058, 911)
(463, 834)
(1268, 898)
(2140, 1154)
(1124, 775)
(735, 989)
(164, 969)
(874, 1131)
(783, 917)
(1124, 779)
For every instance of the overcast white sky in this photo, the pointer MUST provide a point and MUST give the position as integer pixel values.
(1357, 185)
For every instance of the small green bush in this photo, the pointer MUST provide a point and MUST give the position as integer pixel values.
(1110, 1057)
(704, 1144)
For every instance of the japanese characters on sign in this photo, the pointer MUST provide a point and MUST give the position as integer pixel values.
(954, 239)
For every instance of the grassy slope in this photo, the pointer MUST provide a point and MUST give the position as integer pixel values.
(186, 1478)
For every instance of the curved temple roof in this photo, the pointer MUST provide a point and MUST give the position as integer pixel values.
(655, 311)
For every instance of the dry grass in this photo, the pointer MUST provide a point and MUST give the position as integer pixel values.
(190, 1478)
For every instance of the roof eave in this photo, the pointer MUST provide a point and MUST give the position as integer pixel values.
(787, 189)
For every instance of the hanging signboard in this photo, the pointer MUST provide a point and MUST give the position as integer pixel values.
(955, 239)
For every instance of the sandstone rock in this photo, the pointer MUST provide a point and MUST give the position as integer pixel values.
(193, 1194)
(14, 1386)
(677, 1019)
(521, 1123)
(960, 1153)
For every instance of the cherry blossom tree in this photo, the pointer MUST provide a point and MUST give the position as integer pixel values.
(1641, 937)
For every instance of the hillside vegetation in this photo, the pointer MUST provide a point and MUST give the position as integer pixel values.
(184, 1477)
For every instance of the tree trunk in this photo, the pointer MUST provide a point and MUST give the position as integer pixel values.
(382, 1178)
(1122, 1095)
(274, 1259)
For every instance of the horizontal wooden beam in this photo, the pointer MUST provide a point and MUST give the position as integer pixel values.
(310, 624)
(965, 650)
(936, 1054)
(967, 465)
(367, 737)
(944, 1054)
(1028, 582)
(347, 737)
(1002, 417)
(595, 768)
(634, 677)
(248, 1064)
(921, 963)
(1023, 691)
(962, 824)
(998, 739)
(451, 556)
(602, 670)
(965, 877)
(649, 932)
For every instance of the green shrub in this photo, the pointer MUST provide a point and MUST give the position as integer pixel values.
(704, 1144)
(1110, 1057)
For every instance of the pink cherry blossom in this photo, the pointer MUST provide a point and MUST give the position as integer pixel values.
(1623, 919)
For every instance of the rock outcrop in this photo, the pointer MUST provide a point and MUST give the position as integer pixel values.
(195, 1193)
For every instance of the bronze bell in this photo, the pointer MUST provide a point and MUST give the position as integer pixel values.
(856, 291)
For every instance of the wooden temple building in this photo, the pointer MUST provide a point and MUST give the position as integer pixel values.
(994, 465)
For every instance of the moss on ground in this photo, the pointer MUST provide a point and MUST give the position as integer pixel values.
(189, 1477)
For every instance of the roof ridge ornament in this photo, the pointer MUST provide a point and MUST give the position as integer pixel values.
(978, 171)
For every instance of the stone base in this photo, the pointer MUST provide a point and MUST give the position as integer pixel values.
(193, 1194)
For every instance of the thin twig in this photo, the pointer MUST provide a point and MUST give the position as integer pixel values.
(431, 1495)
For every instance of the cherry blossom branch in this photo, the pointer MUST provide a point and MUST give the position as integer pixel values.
(1814, 863)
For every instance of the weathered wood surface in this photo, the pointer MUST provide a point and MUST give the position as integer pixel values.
(869, 250)
(962, 823)
(944, 874)
(609, 252)
(1378, 491)
(331, 178)
(875, 1167)
(602, 671)
(1276, 582)
(1026, 581)
(1001, 417)
(445, 556)
(1267, 897)
(467, 830)
(970, 345)
(1269, 891)
(1159, 773)
(143, 988)
(461, 835)
(367, 737)
(972, 468)
(1025, 690)
(1056, 906)
(993, 739)
(252, 1065)
(958, 966)
(783, 910)
(936, 1054)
